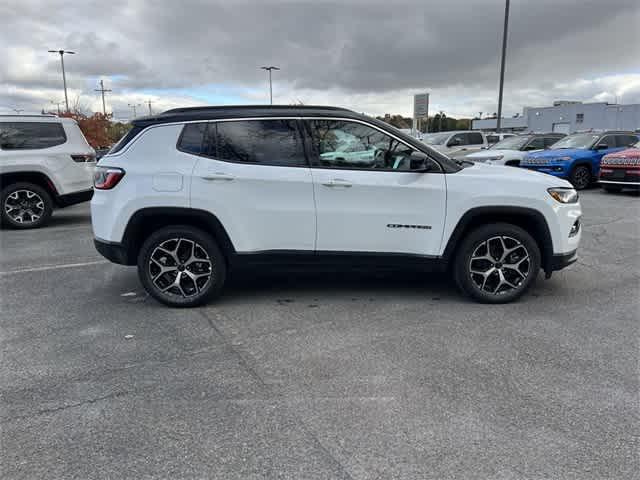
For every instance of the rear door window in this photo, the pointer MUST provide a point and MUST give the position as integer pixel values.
(548, 141)
(261, 142)
(474, 138)
(31, 135)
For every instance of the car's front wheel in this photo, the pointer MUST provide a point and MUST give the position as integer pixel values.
(580, 177)
(497, 263)
(181, 266)
(25, 205)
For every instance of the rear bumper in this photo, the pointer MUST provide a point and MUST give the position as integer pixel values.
(114, 252)
(74, 198)
(563, 260)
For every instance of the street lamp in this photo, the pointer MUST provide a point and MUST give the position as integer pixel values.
(504, 54)
(134, 105)
(269, 69)
(64, 78)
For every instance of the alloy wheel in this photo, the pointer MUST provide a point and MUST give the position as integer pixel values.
(499, 265)
(180, 267)
(24, 206)
(582, 178)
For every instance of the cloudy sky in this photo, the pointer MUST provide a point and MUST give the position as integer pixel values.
(367, 55)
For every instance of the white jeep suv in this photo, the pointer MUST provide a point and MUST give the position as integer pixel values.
(456, 144)
(512, 150)
(192, 193)
(45, 162)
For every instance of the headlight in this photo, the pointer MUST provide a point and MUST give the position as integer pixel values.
(563, 159)
(496, 157)
(564, 195)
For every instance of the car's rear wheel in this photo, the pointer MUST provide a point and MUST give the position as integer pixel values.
(580, 177)
(612, 189)
(497, 263)
(181, 266)
(25, 205)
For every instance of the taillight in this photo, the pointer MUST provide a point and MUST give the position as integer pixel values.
(83, 158)
(105, 178)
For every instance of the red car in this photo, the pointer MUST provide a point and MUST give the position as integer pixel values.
(621, 170)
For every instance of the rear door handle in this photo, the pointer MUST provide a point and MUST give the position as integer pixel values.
(219, 176)
(337, 182)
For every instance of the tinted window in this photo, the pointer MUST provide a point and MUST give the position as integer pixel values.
(192, 137)
(492, 139)
(265, 142)
(343, 144)
(548, 141)
(609, 141)
(626, 140)
(30, 135)
(474, 138)
(536, 143)
(458, 139)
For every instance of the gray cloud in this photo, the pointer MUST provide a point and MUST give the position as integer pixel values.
(344, 50)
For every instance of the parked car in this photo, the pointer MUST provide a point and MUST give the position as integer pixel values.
(621, 170)
(493, 137)
(192, 193)
(513, 149)
(577, 157)
(456, 144)
(45, 162)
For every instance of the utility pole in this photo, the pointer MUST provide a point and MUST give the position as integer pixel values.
(269, 69)
(102, 90)
(441, 115)
(504, 55)
(132, 105)
(64, 77)
(149, 102)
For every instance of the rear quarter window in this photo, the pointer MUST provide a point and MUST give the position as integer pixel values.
(192, 138)
(31, 135)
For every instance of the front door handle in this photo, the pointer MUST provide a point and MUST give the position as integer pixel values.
(338, 182)
(219, 176)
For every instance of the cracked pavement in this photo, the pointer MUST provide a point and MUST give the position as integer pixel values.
(319, 376)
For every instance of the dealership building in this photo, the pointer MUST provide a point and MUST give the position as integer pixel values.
(568, 117)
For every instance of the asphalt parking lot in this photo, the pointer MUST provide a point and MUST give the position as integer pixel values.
(321, 376)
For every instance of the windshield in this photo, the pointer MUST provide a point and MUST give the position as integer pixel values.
(578, 140)
(510, 143)
(436, 138)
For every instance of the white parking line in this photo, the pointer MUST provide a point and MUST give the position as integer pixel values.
(52, 267)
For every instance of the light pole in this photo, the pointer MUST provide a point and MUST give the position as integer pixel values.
(134, 105)
(504, 55)
(269, 69)
(64, 77)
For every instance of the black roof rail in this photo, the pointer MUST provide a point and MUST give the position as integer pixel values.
(217, 108)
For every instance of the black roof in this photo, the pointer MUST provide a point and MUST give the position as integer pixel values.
(248, 111)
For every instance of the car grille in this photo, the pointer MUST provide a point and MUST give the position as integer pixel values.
(620, 161)
(536, 161)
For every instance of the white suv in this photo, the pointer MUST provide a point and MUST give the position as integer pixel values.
(192, 193)
(512, 150)
(45, 162)
(456, 144)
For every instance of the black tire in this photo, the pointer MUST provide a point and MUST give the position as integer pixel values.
(580, 177)
(191, 291)
(31, 200)
(612, 189)
(475, 242)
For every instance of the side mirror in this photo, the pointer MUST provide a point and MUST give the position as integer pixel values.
(420, 163)
(602, 146)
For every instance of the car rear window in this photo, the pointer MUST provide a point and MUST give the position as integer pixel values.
(30, 135)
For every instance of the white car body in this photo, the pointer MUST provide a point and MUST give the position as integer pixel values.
(273, 208)
(44, 158)
(498, 157)
(56, 163)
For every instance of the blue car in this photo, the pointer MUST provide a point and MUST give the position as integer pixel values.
(577, 157)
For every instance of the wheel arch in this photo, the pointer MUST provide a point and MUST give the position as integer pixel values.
(30, 176)
(529, 219)
(148, 220)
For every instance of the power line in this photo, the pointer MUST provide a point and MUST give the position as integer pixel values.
(102, 90)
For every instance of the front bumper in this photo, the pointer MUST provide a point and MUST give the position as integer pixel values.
(563, 260)
(555, 170)
(114, 252)
(620, 176)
